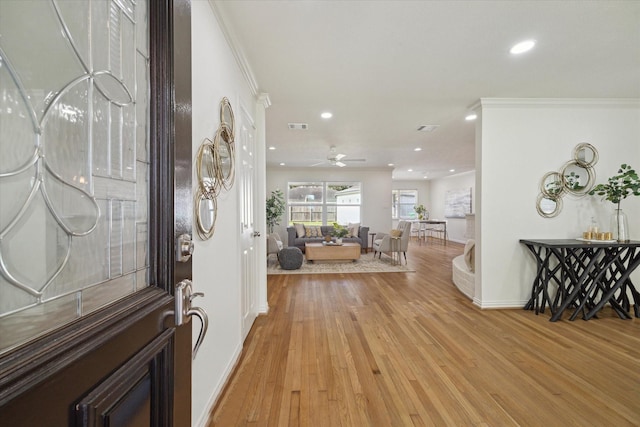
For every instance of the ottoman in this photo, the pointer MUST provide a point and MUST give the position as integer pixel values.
(290, 258)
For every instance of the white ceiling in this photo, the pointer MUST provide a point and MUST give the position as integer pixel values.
(383, 68)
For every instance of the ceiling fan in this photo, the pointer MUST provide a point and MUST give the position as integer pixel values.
(337, 159)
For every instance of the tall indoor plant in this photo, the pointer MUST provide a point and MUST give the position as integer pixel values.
(275, 209)
(618, 187)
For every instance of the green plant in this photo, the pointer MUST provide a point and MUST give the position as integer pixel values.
(618, 187)
(421, 210)
(275, 209)
(339, 231)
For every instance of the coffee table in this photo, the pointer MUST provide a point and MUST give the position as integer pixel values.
(320, 252)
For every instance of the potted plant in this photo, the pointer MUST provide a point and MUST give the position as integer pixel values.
(339, 231)
(275, 209)
(618, 187)
(421, 211)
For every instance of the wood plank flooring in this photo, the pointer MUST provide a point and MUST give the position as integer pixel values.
(408, 349)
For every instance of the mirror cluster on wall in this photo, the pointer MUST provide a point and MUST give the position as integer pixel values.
(576, 177)
(215, 171)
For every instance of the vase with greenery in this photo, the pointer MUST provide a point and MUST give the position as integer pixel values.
(275, 209)
(421, 211)
(339, 231)
(618, 187)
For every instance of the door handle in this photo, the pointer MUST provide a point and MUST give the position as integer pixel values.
(184, 297)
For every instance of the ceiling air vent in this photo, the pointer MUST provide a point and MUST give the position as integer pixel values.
(427, 128)
(298, 126)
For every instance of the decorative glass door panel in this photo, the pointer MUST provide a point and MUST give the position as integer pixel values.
(74, 160)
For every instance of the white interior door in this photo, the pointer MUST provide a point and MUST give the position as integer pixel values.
(247, 175)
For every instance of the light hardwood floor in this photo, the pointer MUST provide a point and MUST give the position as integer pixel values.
(408, 349)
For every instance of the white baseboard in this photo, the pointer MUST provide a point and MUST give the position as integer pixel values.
(499, 304)
(203, 419)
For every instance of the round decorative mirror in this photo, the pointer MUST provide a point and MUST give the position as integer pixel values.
(577, 179)
(551, 185)
(224, 161)
(227, 121)
(585, 155)
(206, 168)
(548, 207)
(206, 213)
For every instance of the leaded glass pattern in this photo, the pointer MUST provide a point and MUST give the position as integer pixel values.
(74, 160)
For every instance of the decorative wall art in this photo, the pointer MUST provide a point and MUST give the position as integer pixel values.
(457, 203)
(576, 177)
(215, 171)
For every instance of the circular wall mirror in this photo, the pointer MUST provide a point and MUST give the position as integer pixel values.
(227, 121)
(206, 168)
(585, 154)
(206, 213)
(577, 179)
(548, 207)
(551, 185)
(224, 162)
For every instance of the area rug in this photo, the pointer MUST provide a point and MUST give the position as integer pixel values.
(366, 264)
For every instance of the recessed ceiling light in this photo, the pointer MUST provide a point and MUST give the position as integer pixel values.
(417, 149)
(409, 170)
(452, 170)
(282, 164)
(272, 148)
(425, 177)
(471, 116)
(326, 115)
(390, 164)
(522, 47)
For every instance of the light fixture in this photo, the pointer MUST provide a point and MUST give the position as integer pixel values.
(390, 164)
(417, 149)
(272, 148)
(425, 177)
(409, 170)
(452, 170)
(326, 115)
(471, 116)
(522, 47)
(282, 164)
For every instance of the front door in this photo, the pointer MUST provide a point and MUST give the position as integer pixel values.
(95, 187)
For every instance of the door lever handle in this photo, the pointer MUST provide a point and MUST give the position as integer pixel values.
(204, 321)
(184, 296)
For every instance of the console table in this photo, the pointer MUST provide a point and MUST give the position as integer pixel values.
(585, 277)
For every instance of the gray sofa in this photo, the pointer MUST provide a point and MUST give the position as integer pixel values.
(294, 240)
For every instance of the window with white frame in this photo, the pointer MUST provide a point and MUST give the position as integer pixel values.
(323, 203)
(403, 203)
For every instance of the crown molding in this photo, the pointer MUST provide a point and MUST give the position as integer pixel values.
(558, 102)
(236, 48)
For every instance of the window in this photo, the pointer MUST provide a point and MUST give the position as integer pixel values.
(323, 203)
(403, 202)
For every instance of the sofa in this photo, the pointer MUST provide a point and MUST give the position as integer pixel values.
(361, 237)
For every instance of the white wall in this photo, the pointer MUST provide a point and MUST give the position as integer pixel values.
(216, 262)
(456, 227)
(376, 191)
(518, 141)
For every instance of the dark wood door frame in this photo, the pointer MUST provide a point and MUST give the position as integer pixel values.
(100, 343)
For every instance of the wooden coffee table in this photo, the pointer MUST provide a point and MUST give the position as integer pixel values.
(320, 252)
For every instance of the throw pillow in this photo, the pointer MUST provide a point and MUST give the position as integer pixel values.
(395, 233)
(470, 254)
(354, 229)
(313, 231)
(299, 229)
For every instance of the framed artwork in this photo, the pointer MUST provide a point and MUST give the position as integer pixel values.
(457, 203)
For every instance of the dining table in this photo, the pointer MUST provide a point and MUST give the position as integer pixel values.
(428, 222)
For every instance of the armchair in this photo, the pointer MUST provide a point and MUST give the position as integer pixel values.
(274, 244)
(382, 243)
